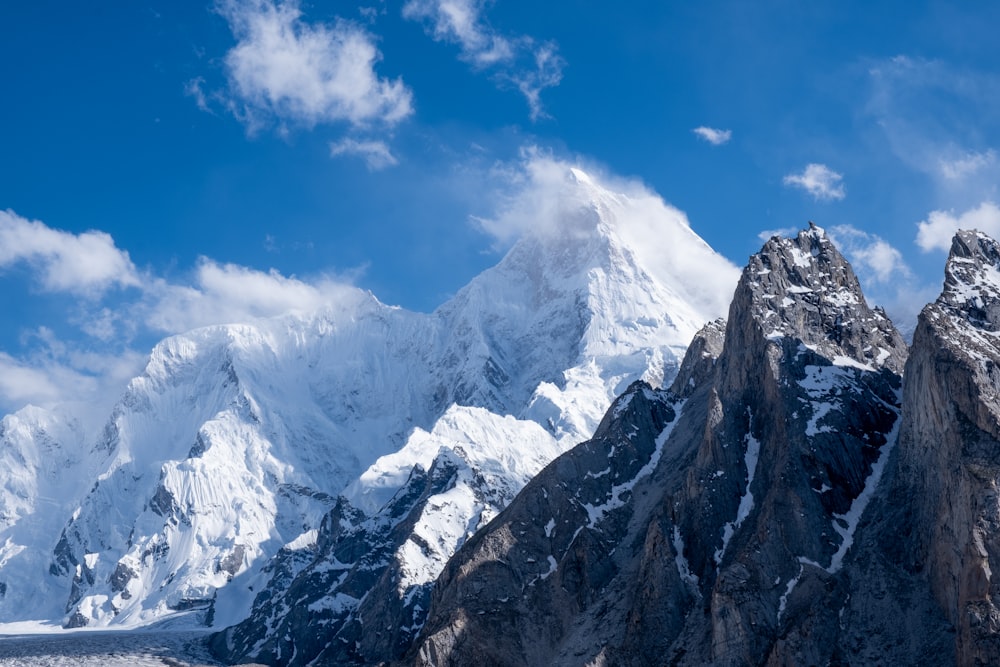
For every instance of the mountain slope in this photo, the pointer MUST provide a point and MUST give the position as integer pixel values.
(237, 441)
(43, 468)
(699, 523)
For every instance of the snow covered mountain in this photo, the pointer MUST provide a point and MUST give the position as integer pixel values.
(241, 441)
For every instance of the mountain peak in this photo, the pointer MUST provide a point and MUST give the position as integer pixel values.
(803, 288)
(972, 279)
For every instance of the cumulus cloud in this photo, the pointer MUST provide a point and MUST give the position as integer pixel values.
(874, 259)
(376, 154)
(85, 264)
(286, 69)
(229, 293)
(527, 64)
(938, 229)
(820, 181)
(713, 136)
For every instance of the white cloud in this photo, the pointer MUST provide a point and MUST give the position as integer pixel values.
(886, 278)
(937, 230)
(287, 69)
(712, 135)
(85, 264)
(965, 165)
(546, 74)
(376, 154)
(874, 259)
(79, 382)
(460, 21)
(195, 88)
(934, 117)
(522, 61)
(228, 293)
(818, 180)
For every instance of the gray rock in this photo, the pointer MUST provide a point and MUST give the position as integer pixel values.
(950, 448)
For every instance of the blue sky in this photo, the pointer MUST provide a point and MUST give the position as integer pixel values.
(166, 165)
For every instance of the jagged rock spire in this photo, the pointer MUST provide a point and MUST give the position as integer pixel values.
(950, 448)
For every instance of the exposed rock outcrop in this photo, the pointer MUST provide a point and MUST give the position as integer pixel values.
(950, 448)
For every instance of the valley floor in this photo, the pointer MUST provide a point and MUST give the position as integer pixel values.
(136, 648)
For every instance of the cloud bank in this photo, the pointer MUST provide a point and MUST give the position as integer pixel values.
(84, 369)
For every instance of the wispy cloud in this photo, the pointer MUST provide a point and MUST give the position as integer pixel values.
(195, 88)
(934, 117)
(713, 136)
(768, 234)
(376, 154)
(964, 165)
(461, 22)
(820, 181)
(86, 264)
(524, 62)
(547, 73)
(937, 230)
(284, 69)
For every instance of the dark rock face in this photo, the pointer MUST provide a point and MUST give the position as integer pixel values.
(707, 524)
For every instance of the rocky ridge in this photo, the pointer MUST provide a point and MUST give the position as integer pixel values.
(725, 521)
